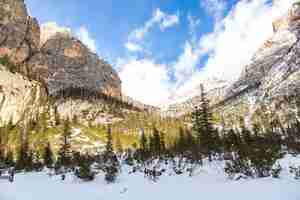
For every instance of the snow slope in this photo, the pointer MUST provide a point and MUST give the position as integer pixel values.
(209, 183)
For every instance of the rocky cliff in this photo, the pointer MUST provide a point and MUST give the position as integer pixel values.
(43, 65)
(64, 62)
(20, 98)
(20, 34)
(272, 78)
(268, 84)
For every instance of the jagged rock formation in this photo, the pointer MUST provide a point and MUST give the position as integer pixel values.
(268, 82)
(55, 60)
(64, 62)
(20, 34)
(50, 29)
(20, 98)
(274, 72)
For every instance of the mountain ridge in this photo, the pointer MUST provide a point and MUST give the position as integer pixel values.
(271, 76)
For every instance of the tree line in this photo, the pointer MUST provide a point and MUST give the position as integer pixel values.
(246, 152)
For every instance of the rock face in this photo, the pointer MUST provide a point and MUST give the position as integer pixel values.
(268, 82)
(20, 34)
(61, 62)
(273, 77)
(20, 98)
(215, 92)
(55, 60)
(64, 62)
(140, 105)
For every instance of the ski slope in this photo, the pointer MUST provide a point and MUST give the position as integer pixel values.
(210, 183)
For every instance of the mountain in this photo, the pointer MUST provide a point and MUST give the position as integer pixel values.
(45, 69)
(213, 87)
(265, 86)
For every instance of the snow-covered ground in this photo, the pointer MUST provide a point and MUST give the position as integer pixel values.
(209, 183)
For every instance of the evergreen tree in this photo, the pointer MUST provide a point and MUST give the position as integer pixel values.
(2, 145)
(65, 154)
(84, 171)
(156, 142)
(181, 142)
(57, 120)
(23, 153)
(202, 126)
(162, 143)
(143, 146)
(112, 165)
(48, 156)
(9, 159)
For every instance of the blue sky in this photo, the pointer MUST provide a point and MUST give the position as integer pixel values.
(110, 22)
(163, 49)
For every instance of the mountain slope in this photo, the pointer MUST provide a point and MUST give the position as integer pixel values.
(268, 83)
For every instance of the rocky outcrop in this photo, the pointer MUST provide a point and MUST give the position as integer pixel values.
(60, 63)
(272, 77)
(20, 98)
(54, 59)
(139, 105)
(266, 85)
(215, 93)
(64, 62)
(20, 34)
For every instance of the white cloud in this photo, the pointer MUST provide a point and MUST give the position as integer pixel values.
(229, 49)
(133, 47)
(160, 19)
(50, 29)
(239, 35)
(215, 8)
(83, 34)
(163, 20)
(145, 81)
(168, 21)
(186, 63)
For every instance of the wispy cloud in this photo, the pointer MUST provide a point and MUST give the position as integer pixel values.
(49, 29)
(133, 47)
(83, 34)
(234, 41)
(236, 37)
(214, 8)
(160, 19)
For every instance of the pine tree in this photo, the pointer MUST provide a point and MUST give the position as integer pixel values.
(119, 146)
(112, 165)
(23, 153)
(65, 155)
(162, 143)
(202, 126)
(84, 172)
(156, 142)
(181, 142)
(2, 146)
(143, 146)
(56, 116)
(9, 159)
(48, 156)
